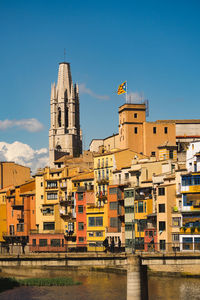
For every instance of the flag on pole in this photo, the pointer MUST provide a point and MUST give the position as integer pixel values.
(122, 88)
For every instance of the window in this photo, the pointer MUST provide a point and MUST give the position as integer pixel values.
(20, 227)
(128, 227)
(153, 153)
(154, 130)
(80, 226)
(161, 226)
(102, 163)
(99, 221)
(95, 221)
(135, 116)
(171, 154)
(136, 130)
(128, 193)
(129, 209)
(175, 237)
(176, 222)
(80, 196)
(161, 191)
(162, 245)
(112, 191)
(81, 239)
(161, 208)
(71, 227)
(141, 225)
(126, 176)
(113, 222)
(52, 196)
(42, 242)
(55, 242)
(51, 184)
(41, 196)
(48, 226)
(33, 242)
(187, 243)
(165, 130)
(80, 208)
(99, 233)
(140, 207)
(48, 211)
(41, 184)
(113, 205)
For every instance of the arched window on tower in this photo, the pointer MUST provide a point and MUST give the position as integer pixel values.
(58, 148)
(66, 117)
(59, 117)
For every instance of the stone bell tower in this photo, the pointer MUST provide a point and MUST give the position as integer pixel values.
(64, 134)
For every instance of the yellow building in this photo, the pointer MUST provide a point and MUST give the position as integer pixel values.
(3, 219)
(143, 206)
(97, 221)
(167, 151)
(104, 165)
(56, 203)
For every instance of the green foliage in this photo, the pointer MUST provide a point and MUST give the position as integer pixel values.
(9, 283)
(192, 229)
(184, 228)
(58, 281)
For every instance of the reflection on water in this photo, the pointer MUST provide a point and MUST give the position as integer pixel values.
(96, 286)
(104, 286)
(170, 288)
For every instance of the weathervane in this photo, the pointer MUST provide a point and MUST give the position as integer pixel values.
(64, 54)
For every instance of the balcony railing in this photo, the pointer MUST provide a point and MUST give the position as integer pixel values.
(103, 180)
(102, 195)
(143, 197)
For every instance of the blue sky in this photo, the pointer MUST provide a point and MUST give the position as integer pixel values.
(154, 45)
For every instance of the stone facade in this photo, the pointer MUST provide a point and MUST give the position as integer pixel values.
(64, 134)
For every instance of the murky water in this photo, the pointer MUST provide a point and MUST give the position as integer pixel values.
(97, 285)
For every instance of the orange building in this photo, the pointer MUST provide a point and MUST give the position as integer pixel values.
(83, 198)
(13, 174)
(116, 225)
(20, 211)
(141, 136)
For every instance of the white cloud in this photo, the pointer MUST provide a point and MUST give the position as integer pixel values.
(23, 154)
(31, 125)
(84, 90)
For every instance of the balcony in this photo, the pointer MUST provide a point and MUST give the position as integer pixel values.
(103, 180)
(68, 200)
(65, 214)
(143, 197)
(102, 195)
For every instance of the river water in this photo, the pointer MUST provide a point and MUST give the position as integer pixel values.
(104, 286)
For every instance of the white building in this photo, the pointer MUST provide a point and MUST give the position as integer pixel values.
(193, 157)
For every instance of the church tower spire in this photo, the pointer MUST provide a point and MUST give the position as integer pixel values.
(64, 133)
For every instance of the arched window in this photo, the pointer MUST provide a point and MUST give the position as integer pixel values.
(58, 147)
(59, 117)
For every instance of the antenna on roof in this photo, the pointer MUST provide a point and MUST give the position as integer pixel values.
(64, 54)
(146, 102)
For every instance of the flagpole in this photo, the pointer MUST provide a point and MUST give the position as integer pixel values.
(126, 92)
